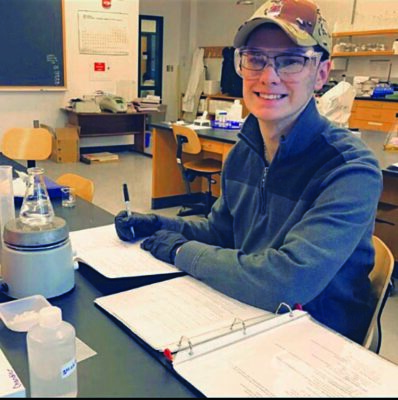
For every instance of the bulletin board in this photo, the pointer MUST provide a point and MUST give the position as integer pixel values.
(32, 45)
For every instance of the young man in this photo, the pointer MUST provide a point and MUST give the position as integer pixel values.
(295, 219)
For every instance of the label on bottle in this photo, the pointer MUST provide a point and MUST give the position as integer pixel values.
(68, 368)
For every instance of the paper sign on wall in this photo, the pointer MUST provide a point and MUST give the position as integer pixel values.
(99, 71)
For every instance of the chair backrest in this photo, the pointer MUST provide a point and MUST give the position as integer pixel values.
(380, 278)
(84, 187)
(192, 143)
(27, 143)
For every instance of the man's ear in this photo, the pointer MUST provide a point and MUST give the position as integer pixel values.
(322, 74)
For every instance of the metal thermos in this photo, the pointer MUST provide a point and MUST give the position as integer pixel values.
(37, 259)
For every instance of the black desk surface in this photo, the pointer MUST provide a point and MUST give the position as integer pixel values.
(122, 367)
(220, 135)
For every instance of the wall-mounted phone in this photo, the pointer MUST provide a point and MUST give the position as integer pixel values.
(115, 104)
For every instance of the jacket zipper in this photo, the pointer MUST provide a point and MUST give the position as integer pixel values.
(262, 190)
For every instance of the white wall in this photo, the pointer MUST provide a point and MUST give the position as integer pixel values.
(21, 108)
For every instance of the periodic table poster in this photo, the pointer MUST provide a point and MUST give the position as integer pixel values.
(103, 33)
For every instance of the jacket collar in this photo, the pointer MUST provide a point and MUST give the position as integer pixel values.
(309, 125)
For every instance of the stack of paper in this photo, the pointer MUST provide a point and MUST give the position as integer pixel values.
(148, 103)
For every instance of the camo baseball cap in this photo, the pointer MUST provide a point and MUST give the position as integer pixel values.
(301, 20)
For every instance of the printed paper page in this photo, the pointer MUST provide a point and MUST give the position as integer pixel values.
(102, 249)
(164, 312)
(10, 384)
(298, 359)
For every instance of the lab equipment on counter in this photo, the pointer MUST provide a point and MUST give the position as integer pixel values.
(202, 120)
(37, 259)
(381, 90)
(114, 104)
(51, 348)
(36, 209)
(20, 315)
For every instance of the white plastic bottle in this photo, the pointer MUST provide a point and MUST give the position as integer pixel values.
(235, 111)
(52, 356)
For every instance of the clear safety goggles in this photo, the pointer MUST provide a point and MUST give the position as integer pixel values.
(287, 63)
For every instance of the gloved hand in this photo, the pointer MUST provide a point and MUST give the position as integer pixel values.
(163, 244)
(136, 225)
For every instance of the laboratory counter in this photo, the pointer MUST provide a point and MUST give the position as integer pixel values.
(168, 189)
(122, 367)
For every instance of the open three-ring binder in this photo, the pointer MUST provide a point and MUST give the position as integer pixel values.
(225, 348)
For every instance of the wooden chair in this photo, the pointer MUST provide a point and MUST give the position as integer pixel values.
(30, 144)
(380, 277)
(84, 187)
(188, 142)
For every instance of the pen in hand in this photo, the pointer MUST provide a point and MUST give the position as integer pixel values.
(127, 202)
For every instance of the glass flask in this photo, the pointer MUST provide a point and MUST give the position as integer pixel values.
(36, 207)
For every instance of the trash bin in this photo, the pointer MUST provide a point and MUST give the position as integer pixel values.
(148, 142)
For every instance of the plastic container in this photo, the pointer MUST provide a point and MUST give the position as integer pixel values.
(20, 315)
(221, 118)
(235, 112)
(52, 356)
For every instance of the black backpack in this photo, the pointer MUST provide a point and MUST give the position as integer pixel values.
(231, 82)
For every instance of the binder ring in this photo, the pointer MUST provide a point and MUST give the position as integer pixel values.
(238, 320)
(287, 306)
(186, 339)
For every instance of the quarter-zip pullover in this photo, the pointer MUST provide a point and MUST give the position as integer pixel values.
(296, 231)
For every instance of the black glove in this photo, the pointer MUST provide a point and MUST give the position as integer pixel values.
(164, 244)
(136, 225)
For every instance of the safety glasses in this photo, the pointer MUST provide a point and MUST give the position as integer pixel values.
(288, 64)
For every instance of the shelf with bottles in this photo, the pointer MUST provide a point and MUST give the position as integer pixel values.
(383, 47)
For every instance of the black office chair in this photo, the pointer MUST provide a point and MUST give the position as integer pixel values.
(188, 142)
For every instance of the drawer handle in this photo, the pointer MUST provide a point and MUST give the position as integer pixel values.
(375, 123)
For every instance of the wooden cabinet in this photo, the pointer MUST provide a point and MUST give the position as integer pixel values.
(373, 115)
(109, 124)
(387, 212)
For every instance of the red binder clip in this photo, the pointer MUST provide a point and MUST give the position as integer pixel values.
(168, 355)
(298, 306)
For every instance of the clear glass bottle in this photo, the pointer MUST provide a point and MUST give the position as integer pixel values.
(52, 356)
(36, 207)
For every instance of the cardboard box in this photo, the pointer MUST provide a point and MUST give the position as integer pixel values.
(65, 146)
